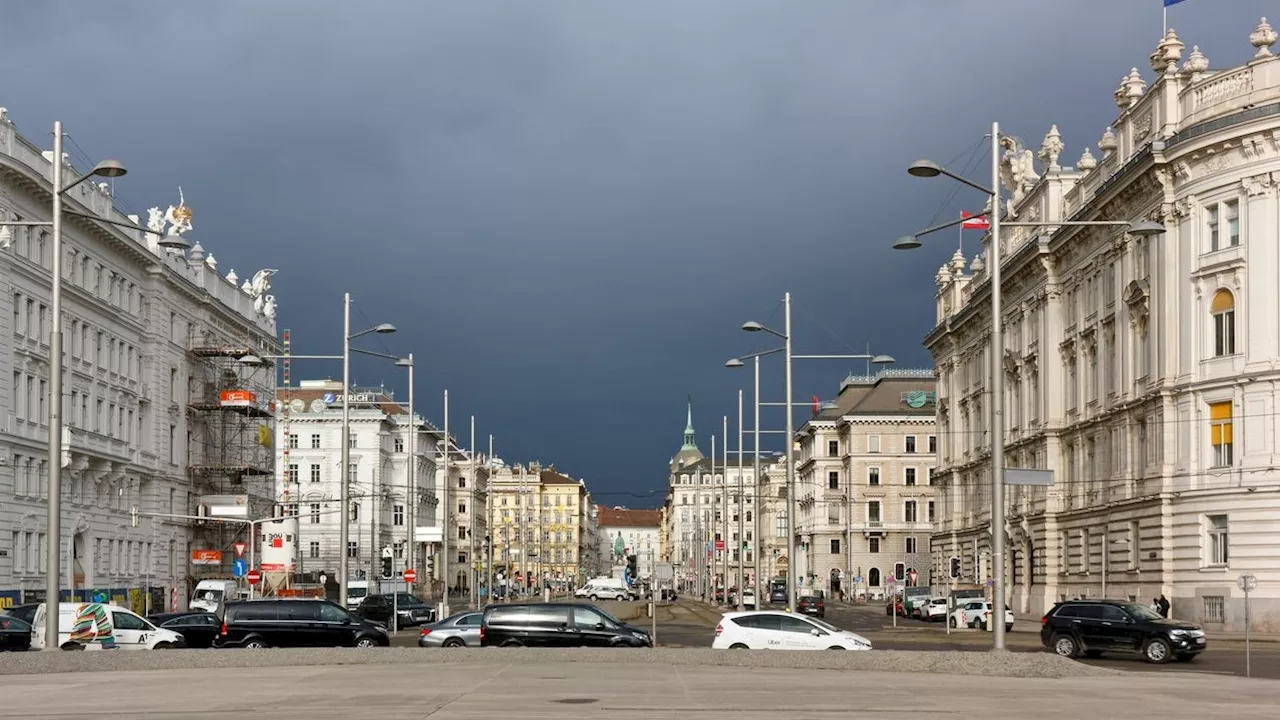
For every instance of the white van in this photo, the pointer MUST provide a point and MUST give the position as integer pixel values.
(604, 588)
(356, 592)
(102, 626)
(212, 595)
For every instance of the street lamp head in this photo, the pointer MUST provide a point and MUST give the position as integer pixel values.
(733, 363)
(173, 242)
(109, 169)
(924, 169)
(752, 326)
(883, 360)
(404, 362)
(1146, 228)
(385, 329)
(249, 360)
(906, 242)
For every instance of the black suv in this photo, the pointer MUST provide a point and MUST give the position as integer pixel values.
(557, 625)
(295, 623)
(412, 611)
(1094, 627)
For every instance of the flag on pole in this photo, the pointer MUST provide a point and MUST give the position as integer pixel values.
(1167, 3)
(972, 222)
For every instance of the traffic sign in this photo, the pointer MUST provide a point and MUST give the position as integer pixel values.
(719, 544)
(239, 567)
(914, 576)
(1247, 583)
(239, 548)
(410, 575)
(254, 577)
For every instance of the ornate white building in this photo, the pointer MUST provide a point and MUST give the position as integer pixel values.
(1144, 372)
(625, 533)
(864, 485)
(151, 336)
(382, 494)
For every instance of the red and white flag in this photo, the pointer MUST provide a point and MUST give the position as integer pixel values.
(974, 222)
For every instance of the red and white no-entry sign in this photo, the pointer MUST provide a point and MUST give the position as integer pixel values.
(254, 577)
(410, 575)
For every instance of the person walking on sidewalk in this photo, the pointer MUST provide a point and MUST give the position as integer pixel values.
(1163, 602)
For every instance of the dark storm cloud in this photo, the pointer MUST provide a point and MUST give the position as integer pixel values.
(569, 207)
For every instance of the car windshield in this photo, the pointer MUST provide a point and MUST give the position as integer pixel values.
(1141, 612)
(825, 625)
(357, 592)
(407, 600)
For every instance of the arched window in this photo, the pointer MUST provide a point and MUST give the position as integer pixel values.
(1223, 310)
(873, 577)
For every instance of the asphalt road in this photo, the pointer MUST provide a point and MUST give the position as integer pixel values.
(694, 626)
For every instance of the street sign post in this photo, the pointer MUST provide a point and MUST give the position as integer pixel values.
(893, 599)
(410, 575)
(253, 576)
(239, 567)
(1247, 583)
(239, 548)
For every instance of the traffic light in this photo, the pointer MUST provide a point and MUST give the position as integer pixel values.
(386, 568)
(631, 565)
(955, 567)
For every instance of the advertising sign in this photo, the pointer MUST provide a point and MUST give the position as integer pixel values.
(237, 398)
(206, 557)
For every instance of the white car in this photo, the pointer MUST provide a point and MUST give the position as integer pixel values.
(749, 598)
(768, 630)
(935, 610)
(974, 614)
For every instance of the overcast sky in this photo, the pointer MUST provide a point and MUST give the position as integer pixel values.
(569, 208)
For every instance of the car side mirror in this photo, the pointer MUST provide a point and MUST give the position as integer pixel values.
(815, 632)
(599, 626)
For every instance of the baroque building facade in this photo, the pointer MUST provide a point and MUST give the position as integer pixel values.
(1144, 372)
(151, 338)
(864, 485)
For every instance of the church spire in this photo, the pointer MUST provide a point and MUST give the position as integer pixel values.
(690, 438)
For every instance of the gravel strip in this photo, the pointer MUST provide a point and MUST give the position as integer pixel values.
(1027, 665)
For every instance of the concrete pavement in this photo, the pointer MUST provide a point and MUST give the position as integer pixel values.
(537, 690)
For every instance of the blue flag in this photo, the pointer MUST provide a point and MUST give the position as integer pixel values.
(1167, 3)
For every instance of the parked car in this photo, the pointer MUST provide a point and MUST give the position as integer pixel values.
(557, 625)
(749, 598)
(457, 630)
(604, 588)
(935, 610)
(410, 610)
(198, 629)
(1094, 627)
(296, 623)
(812, 602)
(15, 633)
(973, 614)
(778, 594)
(773, 630)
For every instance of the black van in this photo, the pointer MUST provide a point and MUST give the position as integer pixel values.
(557, 625)
(295, 623)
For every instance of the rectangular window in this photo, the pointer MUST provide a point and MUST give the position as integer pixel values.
(1215, 609)
(873, 443)
(293, 472)
(353, 549)
(1218, 541)
(315, 472)
(351, 472)
(909, 476)
(833, 480)
(873, 545)
(911, 443)
(835, 546)
(909, 511)
(1231, 213)
(873, 512)
(873, 476)
(833, 448)
(293, 441)
(351, 442)
(910, 546)
(1220, 433)
(928, 475)
(399, 445)
(930, 509)
(933, 444)
(1211, 223)
(315, 441)
(397, 515)
(315, 514)
(315, 549)
(780, 526)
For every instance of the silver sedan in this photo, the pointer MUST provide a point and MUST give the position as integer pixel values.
(458, 630)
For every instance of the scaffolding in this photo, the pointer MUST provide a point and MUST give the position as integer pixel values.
(230, 446)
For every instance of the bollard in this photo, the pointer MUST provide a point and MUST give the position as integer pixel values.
(546, 594)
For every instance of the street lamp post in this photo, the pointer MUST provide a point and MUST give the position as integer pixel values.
(344, 492)
(53, 560)
(724, 492)
(742, 504)
(1143, 228)
(472, 574)
(444, 516)
(411, 470)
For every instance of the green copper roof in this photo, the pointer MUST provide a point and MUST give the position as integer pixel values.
(690, 438)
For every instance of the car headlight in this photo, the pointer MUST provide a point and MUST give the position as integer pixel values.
(1177, 632)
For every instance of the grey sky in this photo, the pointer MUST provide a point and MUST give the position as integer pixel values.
(569, 207)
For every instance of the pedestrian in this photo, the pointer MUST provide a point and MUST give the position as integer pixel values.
(1164, 606)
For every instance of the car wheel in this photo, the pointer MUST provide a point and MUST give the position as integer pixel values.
(366, 642)
(1065, 645)
(953, 623)
(738, 646)
(1157, 651)
(255, 644)
(163, 646)
(595, 598)
(835, 647)
(453, 643)
(512, 643)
